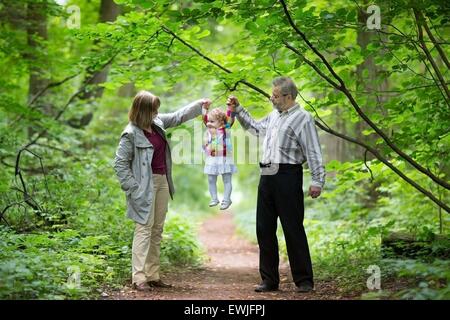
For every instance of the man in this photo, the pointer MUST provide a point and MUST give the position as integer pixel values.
(290, 139)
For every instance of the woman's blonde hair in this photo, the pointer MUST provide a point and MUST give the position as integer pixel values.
(144, 106)
(219, 115)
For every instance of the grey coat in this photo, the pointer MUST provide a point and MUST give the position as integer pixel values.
(132, 163)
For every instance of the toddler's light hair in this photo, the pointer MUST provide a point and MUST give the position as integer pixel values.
(219, 115)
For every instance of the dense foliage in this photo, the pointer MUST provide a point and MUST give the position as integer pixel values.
(379, 95)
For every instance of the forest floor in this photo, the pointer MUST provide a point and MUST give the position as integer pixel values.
(230, 272)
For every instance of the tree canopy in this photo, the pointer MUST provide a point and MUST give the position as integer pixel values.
(375, 78)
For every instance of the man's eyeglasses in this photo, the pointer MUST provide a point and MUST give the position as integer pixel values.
(276, 97)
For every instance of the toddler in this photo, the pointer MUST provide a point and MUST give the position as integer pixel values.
(218, 150)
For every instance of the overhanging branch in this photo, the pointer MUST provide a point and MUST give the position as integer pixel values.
(357, 108)
(324, 127)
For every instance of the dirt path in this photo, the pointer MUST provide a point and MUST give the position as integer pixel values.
(231, 272)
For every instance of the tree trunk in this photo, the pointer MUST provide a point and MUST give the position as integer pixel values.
(127, 90)
(367, 75)
(109, 11)
(36, 21)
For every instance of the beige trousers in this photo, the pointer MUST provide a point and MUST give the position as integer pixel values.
(147, 238)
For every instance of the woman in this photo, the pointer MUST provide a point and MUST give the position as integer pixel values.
(143, 166)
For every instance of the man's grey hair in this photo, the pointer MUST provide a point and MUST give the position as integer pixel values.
(286, 85)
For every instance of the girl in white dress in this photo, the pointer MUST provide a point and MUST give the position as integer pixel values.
(219, 153)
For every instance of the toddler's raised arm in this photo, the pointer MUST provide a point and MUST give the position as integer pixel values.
(205, 115)
(230, 117)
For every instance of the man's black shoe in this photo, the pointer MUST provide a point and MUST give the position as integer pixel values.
(265, 287)
(304, 288)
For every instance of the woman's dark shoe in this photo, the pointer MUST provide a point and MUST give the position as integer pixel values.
(265, 287)
(142, 287)
(159, 284)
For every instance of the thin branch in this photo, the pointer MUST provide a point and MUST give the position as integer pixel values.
(428, 54)
(368, 168)
(433, 39)
(31, 170)
(26, 196)
(273, 56)
(209, 59)
(429, 70)
(394, 91)
(170, 44)
(441, 41)
(219, 96)
(66, 152)
(44, 132)
(167, 30)
(355, 105)
(357, 26)
(315, 111)
(399, 60)
(18, 169)
(432, 75)
(335, 133)
(312, 65)
(2, 214)
(388, 164)
(50, 85)
(230, 47)
(71, 99)
(310, 45)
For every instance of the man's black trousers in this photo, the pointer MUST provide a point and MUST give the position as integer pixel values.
(281, 195)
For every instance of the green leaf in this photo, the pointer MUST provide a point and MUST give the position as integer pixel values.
(324, 112)
(203, 34)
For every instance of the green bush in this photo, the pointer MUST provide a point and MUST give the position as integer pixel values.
(430, 280)
(47, 265)
(345, 226)
(55, 265)
(180, 246)
(93, 241)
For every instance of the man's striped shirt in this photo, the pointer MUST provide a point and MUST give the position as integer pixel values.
(290, 137)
